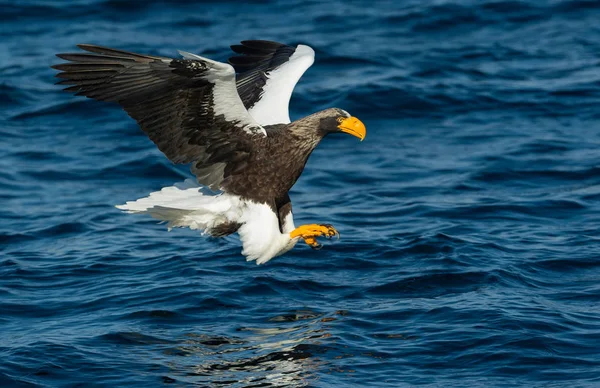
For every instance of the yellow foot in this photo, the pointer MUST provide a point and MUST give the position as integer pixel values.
(310, 233)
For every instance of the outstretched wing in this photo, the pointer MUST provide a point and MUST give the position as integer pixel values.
(188, 107)
(267, 74)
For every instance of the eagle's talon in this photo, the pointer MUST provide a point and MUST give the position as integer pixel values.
(331, 231)
(310, 233)
(312, 242)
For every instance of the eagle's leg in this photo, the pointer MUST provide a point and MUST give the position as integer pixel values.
(310, 233)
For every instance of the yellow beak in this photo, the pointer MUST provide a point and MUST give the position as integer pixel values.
(354, 127)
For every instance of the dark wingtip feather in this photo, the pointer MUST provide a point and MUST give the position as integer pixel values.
(262, 44)
(65, 56)
(257, 47)
(79, 67)
(84, 57)
(92, 48)
(247, 59)
(65, 81)
(111, 52)
(237, 48)
(75, 88)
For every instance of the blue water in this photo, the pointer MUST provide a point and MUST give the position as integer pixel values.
(470, 215)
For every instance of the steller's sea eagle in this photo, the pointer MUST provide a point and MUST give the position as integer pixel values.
(231, 122)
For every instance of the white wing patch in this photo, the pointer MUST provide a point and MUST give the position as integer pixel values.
(226, 100)
(273, 106)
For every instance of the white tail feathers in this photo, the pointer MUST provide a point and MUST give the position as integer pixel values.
(185, 205)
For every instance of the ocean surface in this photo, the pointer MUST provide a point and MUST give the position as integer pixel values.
(469, 217)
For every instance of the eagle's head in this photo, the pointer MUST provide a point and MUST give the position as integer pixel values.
(312, 129)
(336, 120)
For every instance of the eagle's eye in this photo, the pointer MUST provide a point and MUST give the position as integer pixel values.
(340, 119)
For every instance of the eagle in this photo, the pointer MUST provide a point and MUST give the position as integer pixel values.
(230, 122)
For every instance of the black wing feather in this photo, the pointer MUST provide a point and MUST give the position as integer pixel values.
(258, 57)
(172, 101)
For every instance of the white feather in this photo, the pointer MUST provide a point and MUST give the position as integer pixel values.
(185, 205)
(226, 100)
(288, 223)
(261, 238)
(273, 106)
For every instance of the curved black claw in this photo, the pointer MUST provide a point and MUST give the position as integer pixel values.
(317, 246)
(331, 231)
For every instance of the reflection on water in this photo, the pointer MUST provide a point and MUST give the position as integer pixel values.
(283, 353)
